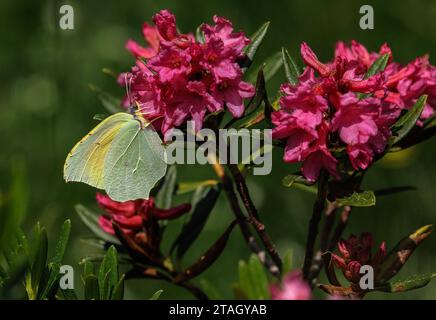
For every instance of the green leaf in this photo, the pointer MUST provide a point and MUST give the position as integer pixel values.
(186, 187)
(260, 278)
(378, 65)
(403, 126)
(108, 273)
(270, 67)
(203, 203)
(253, 280)
(199, 35)
(292, 71)
(88, 270)
(239, 293)
(289, 180)
(256, 40)
(62, 242)
(287, 261)
(358, 199)
(118, 291)
(39, 260)
(208, 258)
(92, 289)
(90, 219)
(411, 283)
(393, 190)
(165, 195)
(109, 102)
(94, 242)
(399, 255)
(299, 182)
(123, 155)
(210, 290)
(51, 285)
(156, 295)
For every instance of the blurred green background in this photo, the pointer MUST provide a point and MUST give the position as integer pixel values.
(46, 106)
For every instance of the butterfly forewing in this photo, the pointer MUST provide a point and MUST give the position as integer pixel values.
(85, 162)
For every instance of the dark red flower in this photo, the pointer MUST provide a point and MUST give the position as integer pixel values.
(131, 215)
(356, 252)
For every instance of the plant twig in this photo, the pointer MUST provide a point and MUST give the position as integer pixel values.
(330, 214)
(242, 221)
(141, 272)
(342, 224)
(318, 208)
(253, 215)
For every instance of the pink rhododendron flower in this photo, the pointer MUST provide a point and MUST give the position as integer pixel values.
(293, 287)
(153, 39)
(357, 52)
(187, 79)
(130, 215)
(355, 119)
(328, 99)
(356, 252)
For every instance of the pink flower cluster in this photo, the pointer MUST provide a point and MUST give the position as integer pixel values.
(131, 215)
(293, 287)
(183, 78)
(356, 252)
(325, 112)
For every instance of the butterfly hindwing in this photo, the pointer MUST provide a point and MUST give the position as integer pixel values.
(134, 163)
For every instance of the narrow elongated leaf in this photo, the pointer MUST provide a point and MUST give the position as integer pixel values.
(411, 283)
(289, 180)
(156, 295)
(202, 205)
(49, 284)
(259, 96)
(253, 280)
(90, 219)
(165, 195)
(39, 260)
(270, 67)
(287, 261)
(199, 35)
(358, 199)
(207, 259)
(118, 291)
(298, 182)
(88, 268)
(378, 65)
(186, 187)
(92, 289)
(393, 190)
(403, 126)
(210, 290)
(108, 273)
(260, 278)
(256, 41)
(62, 242)
(399, 255)
(292, 71)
